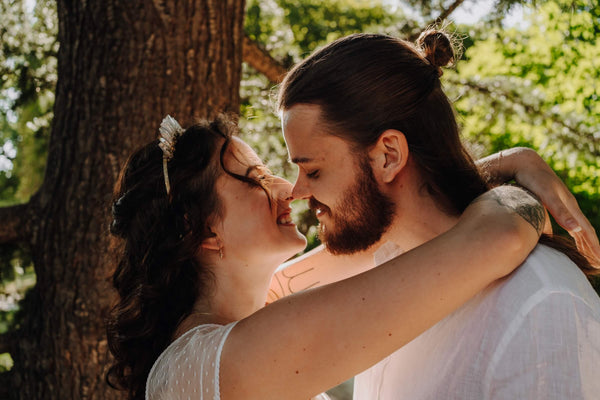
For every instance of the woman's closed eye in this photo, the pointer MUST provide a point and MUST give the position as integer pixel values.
(313, 174)
(260, 174)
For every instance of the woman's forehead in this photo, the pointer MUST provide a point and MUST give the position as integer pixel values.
(244, 153)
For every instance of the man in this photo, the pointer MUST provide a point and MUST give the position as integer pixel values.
(381, 163)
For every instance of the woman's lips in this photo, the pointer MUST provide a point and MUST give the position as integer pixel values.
(285, 218)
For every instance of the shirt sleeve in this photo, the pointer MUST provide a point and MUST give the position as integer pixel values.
(189, 368)
(551, 351)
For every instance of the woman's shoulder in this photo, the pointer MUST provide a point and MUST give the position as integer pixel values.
(190, 365)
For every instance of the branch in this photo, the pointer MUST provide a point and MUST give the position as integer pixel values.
(574, 136)
(443, 15)
(446, 13)
(259, 59)
(15, 223)
(7, 342)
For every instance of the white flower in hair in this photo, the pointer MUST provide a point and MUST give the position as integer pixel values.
(169, 131)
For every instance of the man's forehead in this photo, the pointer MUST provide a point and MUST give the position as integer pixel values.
(305, 135)
(313, 149)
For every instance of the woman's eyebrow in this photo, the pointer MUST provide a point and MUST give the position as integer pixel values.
(254, 166)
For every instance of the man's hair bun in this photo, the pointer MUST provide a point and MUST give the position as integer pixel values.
(436, 46)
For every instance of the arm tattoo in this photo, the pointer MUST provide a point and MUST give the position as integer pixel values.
(522, 202)
(285, 281)
(534, 214)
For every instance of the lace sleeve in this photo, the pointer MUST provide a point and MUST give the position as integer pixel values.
(189, 367)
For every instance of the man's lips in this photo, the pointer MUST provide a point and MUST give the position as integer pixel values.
(319, 208)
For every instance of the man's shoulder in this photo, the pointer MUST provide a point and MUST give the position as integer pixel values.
(554, 271)
(546, 273)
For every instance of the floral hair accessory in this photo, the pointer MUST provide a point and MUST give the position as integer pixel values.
(169, 131)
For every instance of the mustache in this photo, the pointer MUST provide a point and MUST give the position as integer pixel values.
(314, 204)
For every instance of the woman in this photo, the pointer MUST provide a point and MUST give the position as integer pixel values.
(204, 225)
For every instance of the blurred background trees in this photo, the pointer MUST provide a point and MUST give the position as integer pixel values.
(528, 76)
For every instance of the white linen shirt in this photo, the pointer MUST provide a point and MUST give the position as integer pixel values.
(532, 335)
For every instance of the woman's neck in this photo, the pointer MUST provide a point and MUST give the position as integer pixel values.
(236, 294)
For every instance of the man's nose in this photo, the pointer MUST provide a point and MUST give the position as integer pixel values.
(300, 189)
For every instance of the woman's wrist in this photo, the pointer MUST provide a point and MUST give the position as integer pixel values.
(504, 166)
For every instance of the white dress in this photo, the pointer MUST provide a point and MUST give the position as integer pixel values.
(189, 368)
(533, 335)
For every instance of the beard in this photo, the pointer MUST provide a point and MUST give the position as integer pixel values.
(360, 218)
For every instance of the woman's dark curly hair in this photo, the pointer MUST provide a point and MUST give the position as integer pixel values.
(159, 276)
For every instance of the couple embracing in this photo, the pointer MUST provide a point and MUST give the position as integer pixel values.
(414, 291)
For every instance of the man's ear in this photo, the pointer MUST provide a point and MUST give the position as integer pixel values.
(389, 155)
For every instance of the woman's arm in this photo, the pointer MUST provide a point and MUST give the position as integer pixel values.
(308, 342)
(316, 268)
(319, 267)
(529, 170)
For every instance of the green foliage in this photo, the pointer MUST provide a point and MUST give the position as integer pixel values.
(28, 48)
(291, 29)
(28, 78)
(16, 278)
(538, 86)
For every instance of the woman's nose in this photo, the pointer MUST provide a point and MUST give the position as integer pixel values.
(282, 189)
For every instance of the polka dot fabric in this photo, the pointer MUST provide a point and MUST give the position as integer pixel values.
(189, 368)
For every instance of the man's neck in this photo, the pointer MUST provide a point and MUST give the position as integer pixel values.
(418, 219)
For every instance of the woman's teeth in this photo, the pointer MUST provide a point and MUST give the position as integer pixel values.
(285, 219)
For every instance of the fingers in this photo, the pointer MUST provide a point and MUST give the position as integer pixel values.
(570, 217)
(563, 207)
(534, 174)
(565, 210)
(587, 244)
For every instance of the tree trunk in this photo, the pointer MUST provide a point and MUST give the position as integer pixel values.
(122, 66)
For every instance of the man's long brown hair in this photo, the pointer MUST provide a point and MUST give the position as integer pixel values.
(368, 83)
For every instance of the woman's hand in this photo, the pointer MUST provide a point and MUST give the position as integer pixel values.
(529, 170)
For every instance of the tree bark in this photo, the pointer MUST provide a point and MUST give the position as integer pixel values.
(7, 342)
(121, 66)
(15, 225)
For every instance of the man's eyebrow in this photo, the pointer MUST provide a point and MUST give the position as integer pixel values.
(301, 160)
